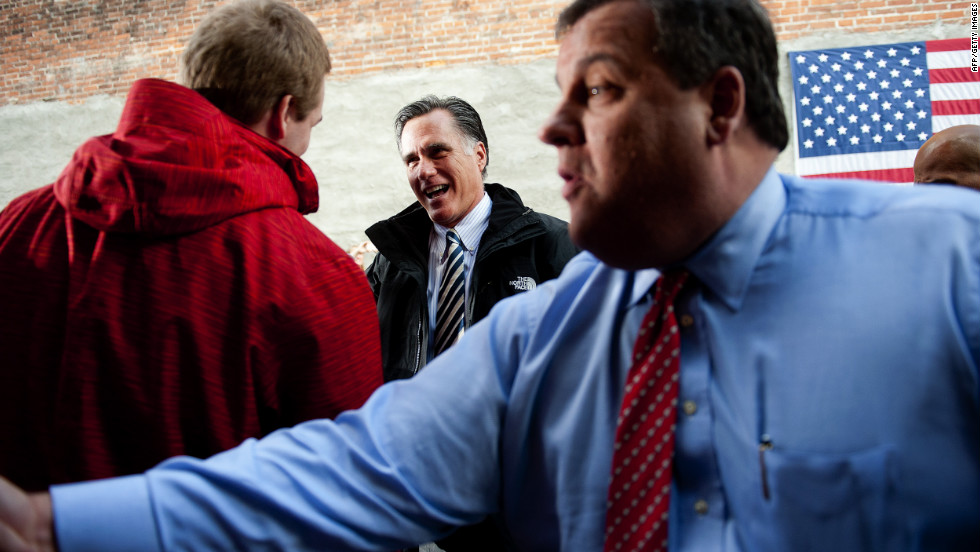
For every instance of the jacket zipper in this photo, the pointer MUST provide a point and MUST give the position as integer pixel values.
(418, 351)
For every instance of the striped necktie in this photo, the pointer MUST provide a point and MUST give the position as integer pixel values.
(639, 487)
(449, 314)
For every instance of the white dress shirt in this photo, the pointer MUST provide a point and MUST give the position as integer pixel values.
(470, 231)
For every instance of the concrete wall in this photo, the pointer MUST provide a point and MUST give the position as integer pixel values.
(353, 152)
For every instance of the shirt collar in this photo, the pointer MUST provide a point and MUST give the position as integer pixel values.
(470, 228)
(725, 264)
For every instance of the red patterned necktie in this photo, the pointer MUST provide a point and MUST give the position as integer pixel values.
(639, 488)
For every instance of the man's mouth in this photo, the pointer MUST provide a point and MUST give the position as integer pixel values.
(436, 191)
(571, 188)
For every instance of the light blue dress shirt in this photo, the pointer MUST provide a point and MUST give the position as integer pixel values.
(829, 401)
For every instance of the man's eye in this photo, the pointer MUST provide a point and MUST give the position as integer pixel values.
(603, 91)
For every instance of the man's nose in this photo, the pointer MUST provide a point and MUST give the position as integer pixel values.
(562, 128)
(426, 168)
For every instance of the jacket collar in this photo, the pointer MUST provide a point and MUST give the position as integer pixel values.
(404, 237)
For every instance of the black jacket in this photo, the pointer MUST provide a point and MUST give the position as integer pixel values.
(518, 247)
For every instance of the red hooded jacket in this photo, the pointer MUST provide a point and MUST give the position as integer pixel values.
(166, 296)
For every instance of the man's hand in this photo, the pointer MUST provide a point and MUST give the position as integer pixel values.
(25, 520)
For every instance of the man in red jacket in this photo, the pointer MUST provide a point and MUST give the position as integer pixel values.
(166, 295)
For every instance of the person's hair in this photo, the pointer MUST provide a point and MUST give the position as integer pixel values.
(245, 56)
(695, 38)
(467, 120)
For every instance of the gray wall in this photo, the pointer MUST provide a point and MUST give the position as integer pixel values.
(353, 152)
(362, 179)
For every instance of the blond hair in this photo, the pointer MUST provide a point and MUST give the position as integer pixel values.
(245, 56)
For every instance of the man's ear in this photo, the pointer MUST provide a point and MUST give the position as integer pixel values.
(724, 93)
(480, 150)
(279, 118)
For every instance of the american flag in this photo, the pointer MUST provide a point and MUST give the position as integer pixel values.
(863, 112)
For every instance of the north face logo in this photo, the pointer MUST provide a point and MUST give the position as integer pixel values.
(524, 283)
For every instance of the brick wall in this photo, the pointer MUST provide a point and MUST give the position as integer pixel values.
(70, 49)
(796, 18)
(73, 49)
(368, 35)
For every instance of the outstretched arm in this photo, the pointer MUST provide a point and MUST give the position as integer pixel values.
(25, 520)
(383, 477)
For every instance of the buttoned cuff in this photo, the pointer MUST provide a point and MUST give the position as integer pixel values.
(109, 514)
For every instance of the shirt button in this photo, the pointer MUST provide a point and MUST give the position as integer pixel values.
(701, 507)
(687, 320)
(690, 407)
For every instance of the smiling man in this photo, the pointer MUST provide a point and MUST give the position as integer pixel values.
(506, 248)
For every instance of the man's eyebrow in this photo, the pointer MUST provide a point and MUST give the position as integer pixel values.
(429, 148)
(599, 57)
(437, 146)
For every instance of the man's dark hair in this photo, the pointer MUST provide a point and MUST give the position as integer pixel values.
(695, 38)
(467, 120)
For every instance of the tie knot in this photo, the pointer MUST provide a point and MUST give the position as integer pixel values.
(670, 284)
(453, 239)
(453, 243)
